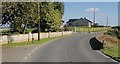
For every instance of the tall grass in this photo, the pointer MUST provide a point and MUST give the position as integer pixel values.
(89, 29)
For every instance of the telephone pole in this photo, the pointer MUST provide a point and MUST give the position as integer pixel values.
(107, 22)
(38, 22)
(94, 16)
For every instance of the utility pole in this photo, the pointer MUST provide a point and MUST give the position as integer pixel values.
(94, 16)
(107, 22)
(38, 22)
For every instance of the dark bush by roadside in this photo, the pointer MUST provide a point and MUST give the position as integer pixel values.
(36, 30)
(114, 33)
(13, 32)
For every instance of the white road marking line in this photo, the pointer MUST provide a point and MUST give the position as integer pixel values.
(107, 56)
(36, 48)
(39, 46)
(29, 54)
(25, 58)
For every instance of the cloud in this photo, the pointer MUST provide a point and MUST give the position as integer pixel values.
(92, 9)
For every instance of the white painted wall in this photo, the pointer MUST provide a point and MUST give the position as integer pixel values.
(28, 37)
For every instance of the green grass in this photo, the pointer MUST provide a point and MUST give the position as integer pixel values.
(29, 42)
(91, 29)
(112, 52)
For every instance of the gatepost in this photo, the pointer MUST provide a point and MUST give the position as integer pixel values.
(32, 39)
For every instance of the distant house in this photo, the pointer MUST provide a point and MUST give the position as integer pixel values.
(79, 22)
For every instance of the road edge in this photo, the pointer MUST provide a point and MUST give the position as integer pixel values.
(107, 57)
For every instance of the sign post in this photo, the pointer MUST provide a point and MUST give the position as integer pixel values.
(89, 25)
(32, 39)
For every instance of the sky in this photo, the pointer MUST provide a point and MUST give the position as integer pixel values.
(88, 0)
(61, 0)
(76, 10)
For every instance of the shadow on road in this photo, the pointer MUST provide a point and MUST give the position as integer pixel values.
(95, 44)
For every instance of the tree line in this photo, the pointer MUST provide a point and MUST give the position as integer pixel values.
(20, 15)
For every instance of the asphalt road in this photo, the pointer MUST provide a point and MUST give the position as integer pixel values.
(73, 48)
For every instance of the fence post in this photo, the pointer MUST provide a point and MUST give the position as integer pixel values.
(49, 34)
(40, 36)
(32, 38)
(29, 36)
(62, 33)
(74, 28)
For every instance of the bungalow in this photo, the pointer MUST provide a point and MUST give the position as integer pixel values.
(79, 22)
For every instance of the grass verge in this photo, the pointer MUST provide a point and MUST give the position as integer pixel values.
(111, 52)
(29, 42)
(110, 46)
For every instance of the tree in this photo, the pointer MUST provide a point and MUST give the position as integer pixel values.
(22, 14)
(59, 6)
(50, 17)
(19, 15)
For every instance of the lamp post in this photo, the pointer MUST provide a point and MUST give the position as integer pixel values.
(107, 22)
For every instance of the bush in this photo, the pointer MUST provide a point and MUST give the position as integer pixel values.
(35, 31)
(55, 30)
(26, 32)
(68, 28)
(9, 34)
(112, 33)
(4, 32)
(14, 33)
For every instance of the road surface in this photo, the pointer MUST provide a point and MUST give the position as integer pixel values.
(73, 48)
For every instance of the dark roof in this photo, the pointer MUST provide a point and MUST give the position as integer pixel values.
(72, 20)
(87, 20)
(81, 21)
(77, 20)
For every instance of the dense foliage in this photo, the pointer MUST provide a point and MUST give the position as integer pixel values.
(20, 15)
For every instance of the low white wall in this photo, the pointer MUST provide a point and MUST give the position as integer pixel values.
(28, 37)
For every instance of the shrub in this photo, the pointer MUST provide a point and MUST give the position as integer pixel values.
(26, 32)
(35, 31)
(9, 34)
(114, 33)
